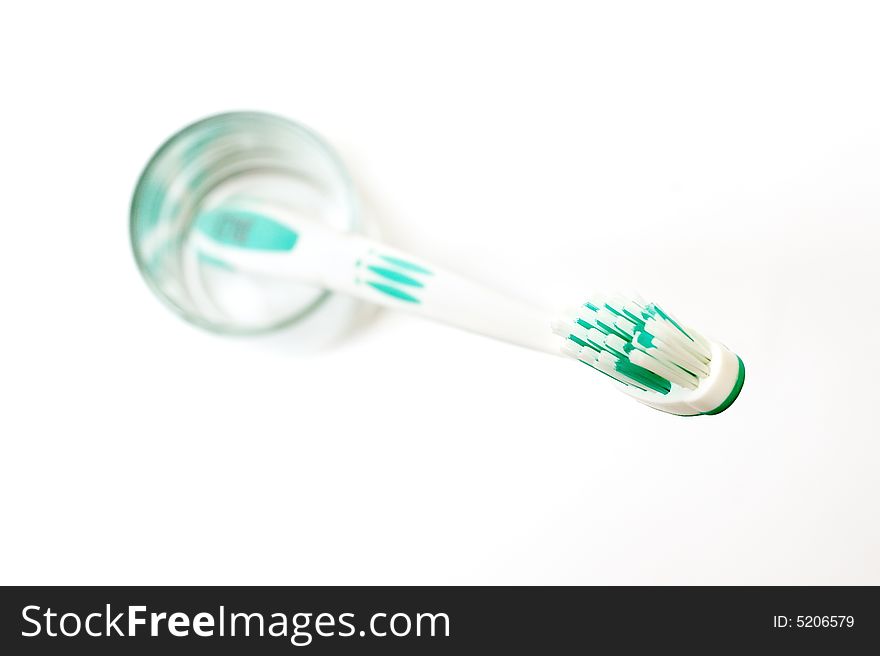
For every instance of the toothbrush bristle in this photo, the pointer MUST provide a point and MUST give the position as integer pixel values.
(636, 343)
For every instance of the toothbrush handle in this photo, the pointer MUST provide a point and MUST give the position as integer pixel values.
(257, 239)
(385, 276)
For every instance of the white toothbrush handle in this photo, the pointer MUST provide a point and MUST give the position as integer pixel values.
(385, 276)
(266, 241)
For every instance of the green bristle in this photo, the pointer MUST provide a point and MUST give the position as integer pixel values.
(621, 345)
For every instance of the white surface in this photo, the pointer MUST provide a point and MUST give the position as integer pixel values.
(723, 160)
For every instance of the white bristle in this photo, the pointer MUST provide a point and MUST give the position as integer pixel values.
(636, 343)
(665, 369)
(571, 349)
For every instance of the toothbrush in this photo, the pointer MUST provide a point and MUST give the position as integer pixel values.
(648, 354)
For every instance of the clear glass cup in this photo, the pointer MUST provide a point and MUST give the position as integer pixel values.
(219, 160)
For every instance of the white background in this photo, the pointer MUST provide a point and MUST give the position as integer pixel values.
(723, 158)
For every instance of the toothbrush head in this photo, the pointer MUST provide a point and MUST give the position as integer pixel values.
(655, 358)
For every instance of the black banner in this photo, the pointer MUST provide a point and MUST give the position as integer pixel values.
(429, 620)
